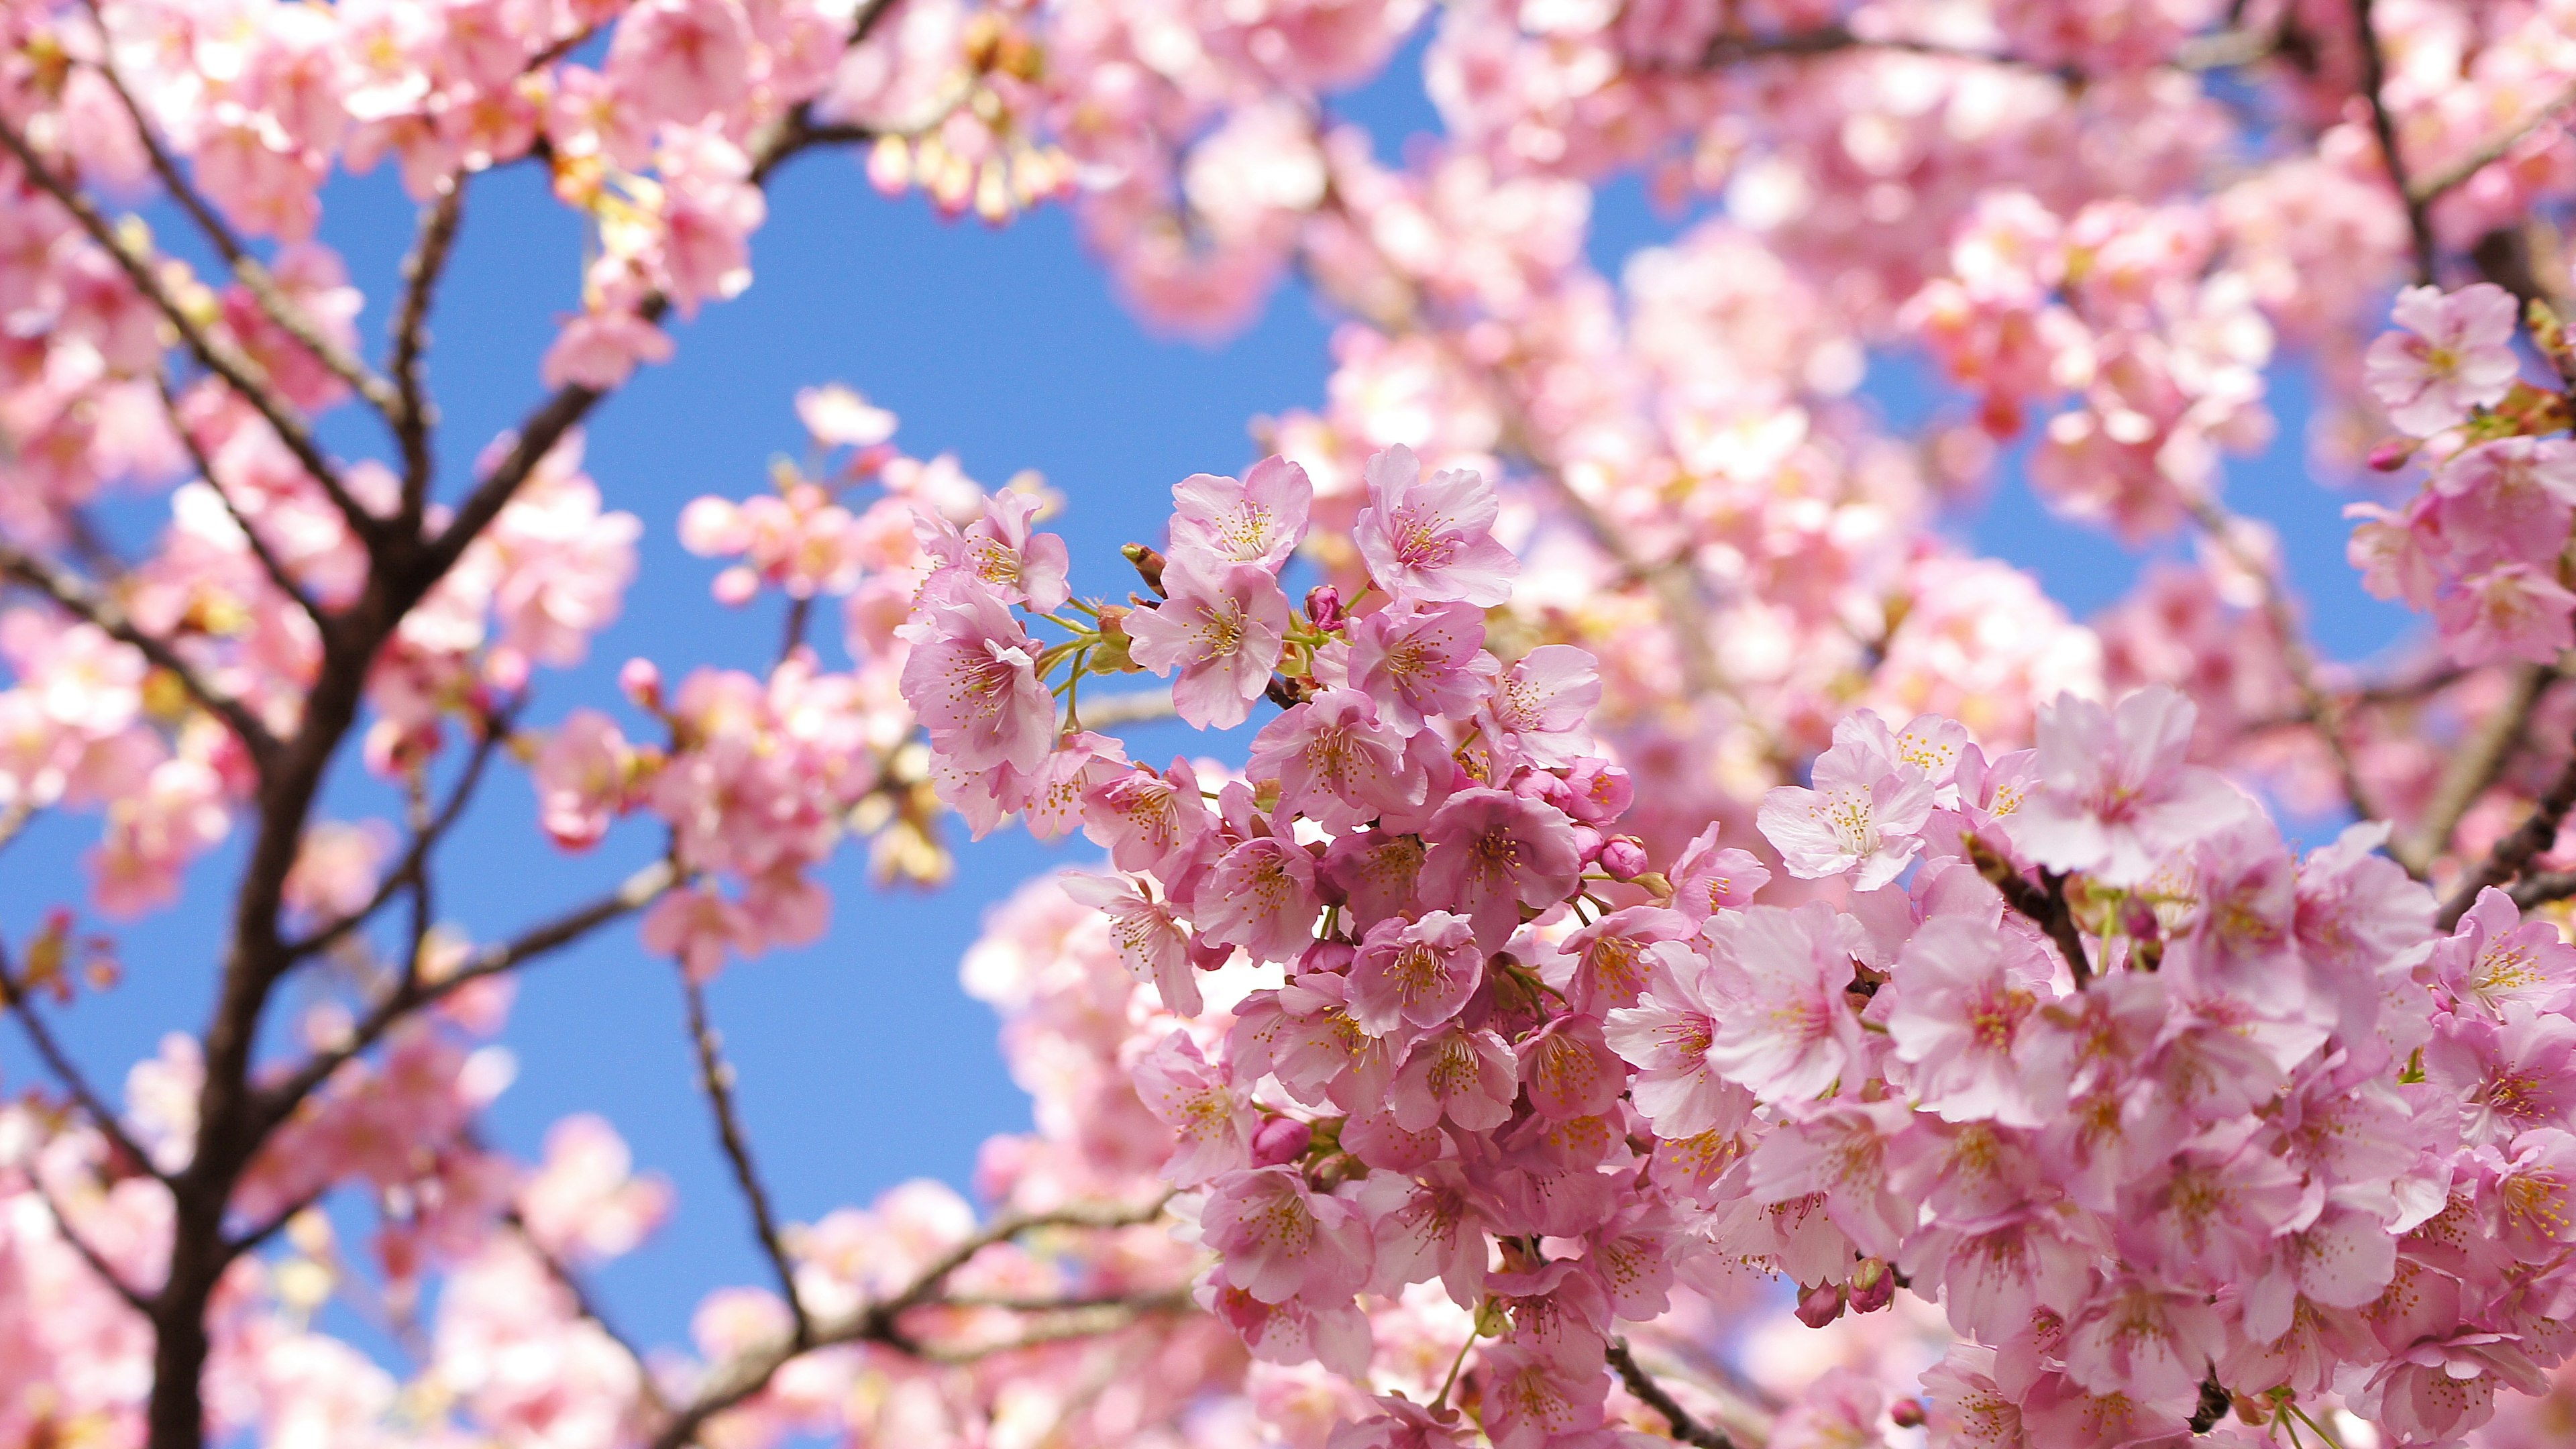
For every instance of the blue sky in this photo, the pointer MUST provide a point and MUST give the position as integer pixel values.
(861, 1063)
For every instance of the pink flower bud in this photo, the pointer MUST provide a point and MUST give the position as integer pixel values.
(642, 681)
(1324, 607)
(1587, 842)
(1873, 1287)
(1907, 1414)
(2390, 454)
(1623, 858)
(1820, 1305)
(1280, 1139)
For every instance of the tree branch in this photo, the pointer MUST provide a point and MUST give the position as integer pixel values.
(496, 727)
(413, 417)
(2534, 835)
(2470, 769)
(98, 1264)
(2374, 82)
(2045, 903)
(2457, 174)
(1088, 1319)
(414, 994)
(269, 562)
(2324, 708)
(1653, 1395)
(255, 278)
(74, 593)
(2541, 889)
(715, 1078)
(751, 1372)
(66, 1071)
(218, 356)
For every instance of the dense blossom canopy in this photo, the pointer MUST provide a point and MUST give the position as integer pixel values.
(1688, 951)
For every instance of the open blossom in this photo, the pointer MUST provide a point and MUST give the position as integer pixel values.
(1461, 1074)
(582, 775)
(1261, 897)
(1414, 973)
(1788, 1032)
(2508, 611)
(1666, 1036)
(1151, 943)
(1419, 663)
(2510, 1075)
(1223, 627)
(1256, 521)
(1430, 540)
(1493, 852)
(2455, 354)
(1211, 1120)
(1000, 548)
(972, 677)
(2116, 795)
(2495, 959)
(1865, 812)
(1964, 1003)
(1540, 703)
(1281, 1239)
(1334, 762)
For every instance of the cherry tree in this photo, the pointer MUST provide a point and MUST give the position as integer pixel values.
(1690, 952)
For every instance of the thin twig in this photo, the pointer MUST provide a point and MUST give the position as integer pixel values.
(586, 1304)
(750, 1372)
(1135, 706)
(251, 1242)
(1654, 1396)
(255, 278)
(2470, 769)
(638, 891)
(75, 593)
(2383, 124)
(715, 1078)
(2534, 835)
(2324, 707)
(98, 1264)
(496, 727)
(220, 357)
(2044, 903)
(413, 417)
(60, 1063)
(269, 562)
(1090, 1319)
(2440, 183)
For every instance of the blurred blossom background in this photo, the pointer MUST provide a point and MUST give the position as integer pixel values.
(862, 1061)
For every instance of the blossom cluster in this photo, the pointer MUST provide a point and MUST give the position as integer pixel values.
(2174, 1124)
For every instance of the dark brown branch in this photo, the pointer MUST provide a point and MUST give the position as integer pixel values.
(1686, 1429)
(217, 355)
(2541, 889)
(716, 1079)
(414, 994)
(413, 417)
(269, 562)
(60, 1063)
(255, 278)
(414, 865)
(98, 1264)
(2044, 903)
(749, 1373)
(2516, 850)
(2383, 124)
(74, 593)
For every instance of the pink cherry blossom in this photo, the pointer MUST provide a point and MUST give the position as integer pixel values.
(1256, 521)
(1788, 1032)
(1430, 540)
(1493, 852)
(1224, 628)
(1414, 973)
(1864, 813)
(2455, 354)
(2116, 795)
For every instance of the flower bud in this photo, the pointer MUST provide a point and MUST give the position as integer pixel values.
(1149, 566)
(1820, 1305)
(1907, 1413)
(1873, 1287)
(2390, 454)
(1623, 858)
(642, 681)
(1324, 607)
(1280, 1139)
